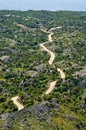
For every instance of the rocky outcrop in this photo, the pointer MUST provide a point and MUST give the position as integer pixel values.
(36, 115)
(5, 58)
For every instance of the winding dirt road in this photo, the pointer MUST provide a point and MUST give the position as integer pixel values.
(15, 101)
(49, 40)
(52, 57)
(53, 83)
(61, 73)
(51, 87)
(50, 37)
(45, 49)
(21, 26)
(50, 52)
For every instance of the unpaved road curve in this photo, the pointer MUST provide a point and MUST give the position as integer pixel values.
(15, 101)
(21, 26)
(50, 37)
(52, 84)
(51, 87)
(50, 52)
(45, 49)
(61, 73)
(49, 40)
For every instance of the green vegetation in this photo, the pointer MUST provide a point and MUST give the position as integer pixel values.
(24, 69)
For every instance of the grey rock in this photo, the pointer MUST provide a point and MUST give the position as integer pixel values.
(5, 58)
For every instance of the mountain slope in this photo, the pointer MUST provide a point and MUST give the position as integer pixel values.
(25, 70)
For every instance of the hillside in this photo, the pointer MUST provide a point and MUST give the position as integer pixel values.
(42, 70)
